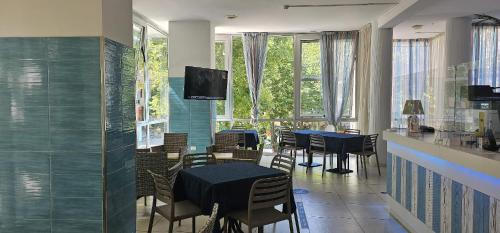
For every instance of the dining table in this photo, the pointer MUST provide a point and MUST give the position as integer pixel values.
(337, 143)
(251, 136)
(227, 184)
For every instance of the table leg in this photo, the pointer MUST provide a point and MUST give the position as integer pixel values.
(310, 162)
(340, 169)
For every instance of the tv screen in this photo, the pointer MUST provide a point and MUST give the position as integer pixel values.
(205, 84)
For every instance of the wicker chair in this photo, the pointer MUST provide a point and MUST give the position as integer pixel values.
(264, 196)
(225, 144)
(209, 225)
(198, 160)
(369, 149)
(174, 142)
(252, 156)
(172, 210)
(156, 162)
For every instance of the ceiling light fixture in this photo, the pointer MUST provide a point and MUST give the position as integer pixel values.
(232, 16)
(286, 7)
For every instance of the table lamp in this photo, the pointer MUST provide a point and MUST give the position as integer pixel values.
(413, 108)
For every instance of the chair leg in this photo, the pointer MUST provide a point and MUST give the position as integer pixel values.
(170, 226)
(303, 156)
(152, 217)
(261, 229)
(378, 166)
(249, 229)
(324, 165)
(357, 167)
(290, 224)
(296, 221)
(180, 222)
(194, 224)
(366, 172)
(145, 200)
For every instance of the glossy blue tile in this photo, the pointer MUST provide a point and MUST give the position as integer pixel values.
(23, 71)
(121, 178)
(76, 185)
(73, 48)
(15, 48)
(28, 163)
(77, 208)
(75, 140)
(22, 207)
(114, 139)
(76, 226)
(14, 94)
(24, 225)
(119, 158)
(121, 199)
(76, 163)
(82, 71)
(20, 139)
(75, 117)
(22, 185)
(68, 94)
(24, 118)
(120, 222)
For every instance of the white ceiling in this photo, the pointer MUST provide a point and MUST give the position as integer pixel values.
(262, 15)
(434, 15)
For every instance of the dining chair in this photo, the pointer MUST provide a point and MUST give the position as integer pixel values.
(173, 143)
(242, 139)
(289, 142)
(283, 162)
(252, 156)
(171, 210)
(156, 162)
(352, 131)
(238, 127)
(369, 148)
(209, 225)
(224, 143)
(277, 134)
(317, 145)
(198, 159)
(264, 196)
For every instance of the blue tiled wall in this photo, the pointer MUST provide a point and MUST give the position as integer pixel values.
(120, 137)
(189, 116)
(50, 135)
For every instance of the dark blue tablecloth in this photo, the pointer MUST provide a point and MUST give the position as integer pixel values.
(227, 184)
(251, 136)
(338, 143)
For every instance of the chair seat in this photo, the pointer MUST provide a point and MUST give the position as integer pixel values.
(173, 156)
(183, 209)
(260, 217)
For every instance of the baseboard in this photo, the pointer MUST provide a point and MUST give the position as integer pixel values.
(410, 222)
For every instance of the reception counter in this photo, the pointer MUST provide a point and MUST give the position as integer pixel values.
(437, 188)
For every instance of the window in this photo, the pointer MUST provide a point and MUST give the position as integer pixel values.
(151, 85)
(222, 57)
(311, 92)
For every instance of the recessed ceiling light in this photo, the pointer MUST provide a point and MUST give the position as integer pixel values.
(232, 16)
(417, 26)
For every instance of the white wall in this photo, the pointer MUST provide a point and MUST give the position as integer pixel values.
(61, 18)
(45, 18)
(190, 43)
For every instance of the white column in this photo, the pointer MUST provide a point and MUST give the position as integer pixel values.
(380, 86)
(458, 41)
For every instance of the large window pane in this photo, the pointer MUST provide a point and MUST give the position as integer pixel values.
(220, 64)
(276, 93)
(241, 97)
(311, 94)
(158, 74)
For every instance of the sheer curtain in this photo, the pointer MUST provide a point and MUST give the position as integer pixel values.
(437, 76)
(486, 55)
(410, 69)
(255, 51)
(338, 56)
(363, 76)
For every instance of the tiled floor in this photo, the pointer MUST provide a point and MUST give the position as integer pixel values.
(333, 204)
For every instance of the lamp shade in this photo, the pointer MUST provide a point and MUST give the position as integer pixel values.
(413, 107)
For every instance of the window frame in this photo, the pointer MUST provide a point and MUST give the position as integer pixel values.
(228, 49)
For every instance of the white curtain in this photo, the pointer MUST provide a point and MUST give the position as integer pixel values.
(255, 50)
(486, 55)
(410, 72)
(436, 81)
(338, 56)
(363, 77)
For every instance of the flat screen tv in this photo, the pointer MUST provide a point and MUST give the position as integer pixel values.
(205, 84)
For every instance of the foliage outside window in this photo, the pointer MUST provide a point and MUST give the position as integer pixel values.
(311, 92)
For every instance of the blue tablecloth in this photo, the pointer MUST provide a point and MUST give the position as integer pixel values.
(227, 184)
(338, 143)
(251, 136)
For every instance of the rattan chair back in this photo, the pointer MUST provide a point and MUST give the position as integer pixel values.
(254, 155)
(174, 142)
(155, 162)
(226, 142)
(198, 160)
(209, 225)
